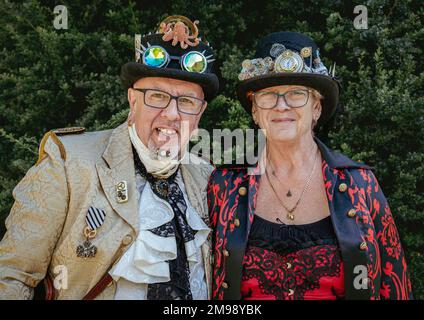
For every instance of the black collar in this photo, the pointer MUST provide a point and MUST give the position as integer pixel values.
(337, 160)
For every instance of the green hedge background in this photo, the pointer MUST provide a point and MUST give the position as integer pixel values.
(56, 78)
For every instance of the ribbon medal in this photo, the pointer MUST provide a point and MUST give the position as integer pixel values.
(94, 219)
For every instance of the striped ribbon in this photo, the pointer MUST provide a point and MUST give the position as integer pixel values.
(95, 217)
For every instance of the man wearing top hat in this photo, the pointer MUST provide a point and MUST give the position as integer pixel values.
(122, 213)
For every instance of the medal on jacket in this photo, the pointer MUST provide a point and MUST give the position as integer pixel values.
(94, 219)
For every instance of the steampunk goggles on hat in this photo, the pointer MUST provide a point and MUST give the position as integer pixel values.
(157, 56)
(175, 51)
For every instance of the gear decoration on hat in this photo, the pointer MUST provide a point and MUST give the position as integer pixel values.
(181, 30)
(289, 61)
(285, 60)
(306, 52)
(277, 49)
(319, 67)
(256, 67)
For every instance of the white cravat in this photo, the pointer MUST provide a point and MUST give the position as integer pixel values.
(162, 167)
(146, 261)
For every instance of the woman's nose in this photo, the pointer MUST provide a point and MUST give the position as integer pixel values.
(281, 103)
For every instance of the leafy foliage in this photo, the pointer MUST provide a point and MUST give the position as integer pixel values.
(56, 78)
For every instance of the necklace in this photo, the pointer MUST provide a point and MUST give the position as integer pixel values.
(290, 214)
(289, 193)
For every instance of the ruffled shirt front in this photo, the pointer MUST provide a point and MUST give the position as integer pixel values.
(146, 261)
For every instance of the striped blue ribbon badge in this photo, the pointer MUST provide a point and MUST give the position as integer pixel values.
(95, 217)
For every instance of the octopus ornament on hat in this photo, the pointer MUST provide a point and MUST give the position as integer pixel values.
(174, 51)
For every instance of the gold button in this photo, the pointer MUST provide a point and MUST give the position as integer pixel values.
(351, 213)
(291, 292)
(242, 191)
(363, 246)
(289, 265)
(110, 283)
(127, 240)
(237, 222)
(225, 285)
(226, 253)
(342, 187)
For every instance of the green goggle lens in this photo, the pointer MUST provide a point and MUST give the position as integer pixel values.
(194, 62)
(155, 56)
(158, 57)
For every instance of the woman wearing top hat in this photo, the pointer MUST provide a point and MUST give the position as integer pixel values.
(310, 223)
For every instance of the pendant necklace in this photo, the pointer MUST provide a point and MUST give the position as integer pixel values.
(290, 211)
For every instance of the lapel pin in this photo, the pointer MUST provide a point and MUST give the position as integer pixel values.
(94, 219)
(122, 192)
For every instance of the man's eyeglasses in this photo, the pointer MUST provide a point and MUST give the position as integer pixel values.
(293, 98)
(160, 99)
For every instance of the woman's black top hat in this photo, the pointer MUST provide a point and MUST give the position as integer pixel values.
(175, 51)
(288, 58)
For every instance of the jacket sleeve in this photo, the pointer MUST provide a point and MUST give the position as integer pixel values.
(34, 223)
(395, 282)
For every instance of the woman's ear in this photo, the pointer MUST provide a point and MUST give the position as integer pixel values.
(254, 115)
(317, 110)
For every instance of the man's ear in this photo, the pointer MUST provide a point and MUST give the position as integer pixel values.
(131, 98)
(204, 107)
(203, 110)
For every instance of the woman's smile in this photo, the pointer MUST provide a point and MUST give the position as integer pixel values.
(283, 120)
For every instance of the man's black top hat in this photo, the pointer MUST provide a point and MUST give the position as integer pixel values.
(177, 35)
(288, 58)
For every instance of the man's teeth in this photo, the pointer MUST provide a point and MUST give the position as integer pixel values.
(167, 132)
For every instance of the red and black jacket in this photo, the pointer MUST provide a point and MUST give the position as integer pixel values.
(360, 215)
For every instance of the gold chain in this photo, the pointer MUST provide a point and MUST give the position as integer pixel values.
(290, 214)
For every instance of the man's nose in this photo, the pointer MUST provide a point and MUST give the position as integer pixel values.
(171, 111)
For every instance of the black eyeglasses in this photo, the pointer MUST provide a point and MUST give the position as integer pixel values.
(295, 98)
(160, 99)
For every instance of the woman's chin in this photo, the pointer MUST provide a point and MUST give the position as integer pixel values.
(282, 135)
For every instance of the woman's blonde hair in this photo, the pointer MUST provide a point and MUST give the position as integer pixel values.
(317, 94)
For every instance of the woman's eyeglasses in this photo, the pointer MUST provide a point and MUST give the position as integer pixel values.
(293, 98)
